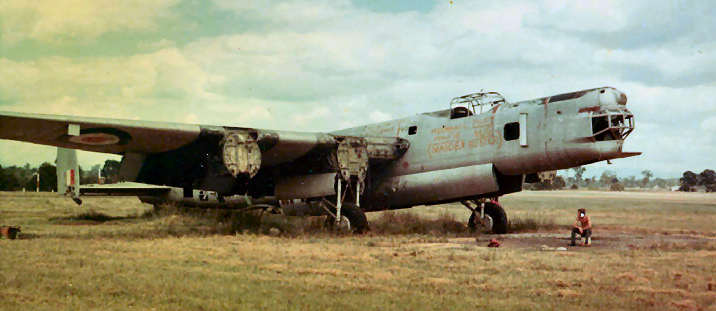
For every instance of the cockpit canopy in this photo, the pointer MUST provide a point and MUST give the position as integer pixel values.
(474, 103)
(612, 124)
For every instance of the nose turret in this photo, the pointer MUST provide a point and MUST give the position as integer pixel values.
(563, 131)
(595, 132)
(611, 120)
(611, 123)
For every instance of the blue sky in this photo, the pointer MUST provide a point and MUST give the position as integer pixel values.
(325, 65)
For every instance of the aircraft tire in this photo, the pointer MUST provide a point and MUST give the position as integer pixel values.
(356, 217)
(498, 215)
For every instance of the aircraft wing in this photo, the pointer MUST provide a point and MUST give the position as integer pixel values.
(96, 134)
(120, 136)
(176, 154)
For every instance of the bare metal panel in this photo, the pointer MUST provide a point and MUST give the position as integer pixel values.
(440, 185)
(306, 186)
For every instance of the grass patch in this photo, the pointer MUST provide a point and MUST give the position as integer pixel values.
(92, 216)
(171, 258)
(412, 223)
(679, 246)
(532, 223)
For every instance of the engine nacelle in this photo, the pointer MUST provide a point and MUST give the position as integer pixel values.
(241, 154)
(437, 186)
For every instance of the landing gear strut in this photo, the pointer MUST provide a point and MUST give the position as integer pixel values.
(486, 215)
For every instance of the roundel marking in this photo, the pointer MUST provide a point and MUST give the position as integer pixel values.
(95, 139)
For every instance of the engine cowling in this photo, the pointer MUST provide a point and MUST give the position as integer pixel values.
(241, 154)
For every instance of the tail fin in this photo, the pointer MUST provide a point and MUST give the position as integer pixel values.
(68, 172)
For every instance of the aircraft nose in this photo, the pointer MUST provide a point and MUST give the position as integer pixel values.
(622, 99)
(612, 97)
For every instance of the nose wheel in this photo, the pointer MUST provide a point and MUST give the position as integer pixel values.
(487, 216)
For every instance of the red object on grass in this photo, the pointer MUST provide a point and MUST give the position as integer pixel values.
(494, 243)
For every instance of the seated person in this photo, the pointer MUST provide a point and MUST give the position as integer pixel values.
(583, 227)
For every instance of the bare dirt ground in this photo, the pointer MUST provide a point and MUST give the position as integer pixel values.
(607, 240)
(614, 237)
(622, 220)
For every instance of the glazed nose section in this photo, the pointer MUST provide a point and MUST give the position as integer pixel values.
(612, 121)
(612, 124)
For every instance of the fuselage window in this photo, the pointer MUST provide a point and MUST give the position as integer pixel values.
(412, 130)
(512, 131)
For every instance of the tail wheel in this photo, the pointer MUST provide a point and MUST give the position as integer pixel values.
(495, 219)
(352, 217)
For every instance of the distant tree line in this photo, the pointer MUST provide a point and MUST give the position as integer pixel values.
(17, 178)
(608, 180)
(705, 181)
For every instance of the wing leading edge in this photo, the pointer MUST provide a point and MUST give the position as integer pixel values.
(96, 134)
(174, 142)
(121, 136)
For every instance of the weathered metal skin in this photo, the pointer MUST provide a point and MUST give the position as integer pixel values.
(429, 158)
(558, 132)
(431, 186)
(305, 186)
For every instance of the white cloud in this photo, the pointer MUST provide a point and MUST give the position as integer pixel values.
(326, 65)
(108, 87)
(709, 124)
(379, 116)
(301, 119)
(583, 15)
(56, 21)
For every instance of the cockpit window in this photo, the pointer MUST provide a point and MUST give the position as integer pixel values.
(460, 112)
(475, 103)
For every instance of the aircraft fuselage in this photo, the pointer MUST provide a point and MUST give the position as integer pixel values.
(516, 139)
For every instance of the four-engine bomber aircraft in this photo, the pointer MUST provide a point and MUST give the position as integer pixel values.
(480, 148)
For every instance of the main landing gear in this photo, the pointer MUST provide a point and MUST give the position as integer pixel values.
(487, 215)
(345, 216)
(351, 162)
(352, 219)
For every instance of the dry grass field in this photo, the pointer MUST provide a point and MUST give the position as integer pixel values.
(652, 251)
